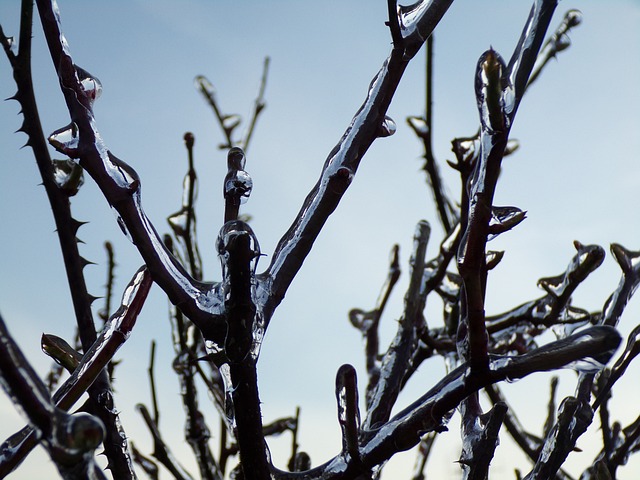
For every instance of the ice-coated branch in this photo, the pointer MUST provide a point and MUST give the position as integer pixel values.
(427, 413)
(61, 179)
(342, 163)
(239, 251)
(630, 352)
(120, 184)
(368, 322)
(70, 440)
(228, 123)
(348, 412)
(611, 313)
(258, 105)
(237, 184)
(629, 262)
(90, 367)
(480, 441)
(396, 361)
(160, 450)
(499, 89)
(525, 54)
(574, 417)
(557, 42)
(423, 128)
(183, 222)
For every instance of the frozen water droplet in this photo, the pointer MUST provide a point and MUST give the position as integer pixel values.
(178, 222)
(121, 173)
(189, 189)
(202, 83)
(225, 373)
(238, 185)
(231, 232)
(419, 125)
(66, 140)
(90, 84)
(387, 128)
(68, 176)
(504, 219)
(229, 122)
(573, 18)
(563, 42)
(81, 432)
(122, 225)
(13, 47)
(495, 95)
(236, 159)
(586, 365)
(512, 146)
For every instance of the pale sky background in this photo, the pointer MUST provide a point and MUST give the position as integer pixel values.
(577, 174)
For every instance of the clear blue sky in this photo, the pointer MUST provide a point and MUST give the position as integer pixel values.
(577, 174)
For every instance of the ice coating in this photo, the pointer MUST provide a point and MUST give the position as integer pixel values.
(178, 222)
(416, 22)
(230, 122)
(504, 219)
(90, 84)
(66, 140)
(238, 185)
(387, 128)
(122, 224)
(68, 176)
(202, 83)
(419, 125)
(494, 93)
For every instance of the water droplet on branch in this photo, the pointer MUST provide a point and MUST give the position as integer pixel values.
(122, 224)
(387, 128)
(68, 176)
(90, 85)
(66, 140)
(419, 126)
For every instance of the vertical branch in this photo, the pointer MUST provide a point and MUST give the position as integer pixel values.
(423, 128)
(183, 222)
(237, 184)
(396, 361)
(239, 250)
(368, 322)
(348, 412)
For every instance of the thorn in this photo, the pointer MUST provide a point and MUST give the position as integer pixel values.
(92, 298)
(75, 225)
(86, 262)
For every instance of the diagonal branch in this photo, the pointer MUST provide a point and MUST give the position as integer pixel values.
(342, 163)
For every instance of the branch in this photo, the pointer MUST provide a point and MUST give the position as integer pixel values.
(423, 128)
(368, 322)
(396, 361)
(258, 105)
(183, 222)
(343, 161)
(115, 333)
(348, 412)
(427, 414)
(160, 450)
(120, 185)
(70, 440)
(557, 42)
(238, 251)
